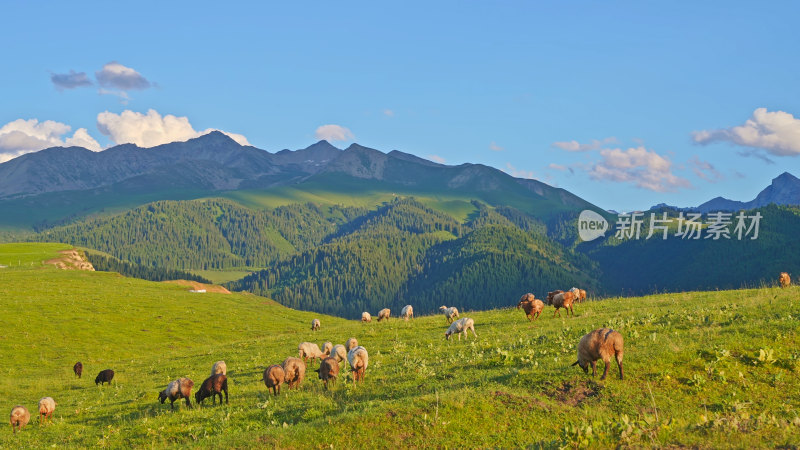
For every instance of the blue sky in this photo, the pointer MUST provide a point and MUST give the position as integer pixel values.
(626, 104)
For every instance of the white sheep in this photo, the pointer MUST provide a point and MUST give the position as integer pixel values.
(219, 367)
(46, 407)
(449, 313)
(385, 313)
(366, 317)
(309, 350)
(326, 348)
(339, 352)
(358, 359)
(407, 312)
(461, 326)
(315, 325)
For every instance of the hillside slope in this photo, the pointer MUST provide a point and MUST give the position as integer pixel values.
(699, 367)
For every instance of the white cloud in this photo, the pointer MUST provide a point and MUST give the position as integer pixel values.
(575, 146)
(25, 136)
(644, 168)
(705, 170)
(334, 133)
(775, 132)
(436, 158)
(388, 112)
(494, 147)
(151, 129)
(519, 173)
(70, 80)
(115, 75)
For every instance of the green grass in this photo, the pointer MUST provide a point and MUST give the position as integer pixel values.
(222, 276)
(704, 369)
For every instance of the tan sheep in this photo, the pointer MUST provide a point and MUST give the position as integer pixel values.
(326, 348)
(46, 407)
(273, 377)
(602, 344)
(339, 352)
(180, 388)
(384, 314)
(351, 344)
(294, 371)
(531, 305)
(785, 280)
(358, 359)
(366, 317)
(315, 325)
(407, 312)
(20, 416)
(461, 326)
(308, 351)
(563, 300)
(219, 367)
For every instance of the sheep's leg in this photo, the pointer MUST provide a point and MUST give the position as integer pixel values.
(606, 362)
(594, 368)
(619, 363)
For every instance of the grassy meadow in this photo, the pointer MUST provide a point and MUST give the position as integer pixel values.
(703, 369)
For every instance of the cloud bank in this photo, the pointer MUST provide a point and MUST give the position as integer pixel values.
(777, 133)
(644, 168)
(334, 133)
(71, 80)
(25, 136)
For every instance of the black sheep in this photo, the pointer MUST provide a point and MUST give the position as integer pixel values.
(105, 376)
(211, 387)
(78, 369)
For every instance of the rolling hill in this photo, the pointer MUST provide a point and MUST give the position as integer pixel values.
(699, 367)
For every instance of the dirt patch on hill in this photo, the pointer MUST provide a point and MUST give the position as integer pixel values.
(575, 393)
(195, 286)
(519, 401)
(71, 260)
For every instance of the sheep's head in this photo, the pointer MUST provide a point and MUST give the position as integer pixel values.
(447, 335)
(162, 396)
(583, 365)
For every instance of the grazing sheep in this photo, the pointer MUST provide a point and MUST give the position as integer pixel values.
(273, 377)
(339, 352)
(328, 370)
(580, 294)
(309, 350)
(294, 371)
(78, 369)
(105, 376)
(582, 297)
(219, 367)
(450, 313)
(351, 344)
(46, 407)
(20, 416)
(384, 314)
(315, 325)
(602, 344)
(366, 317)
(178, 389)
(358, 359)
(785, 280)
(563, 300)
(212, 387)
(407, 312)
(461, 326)
(326, 348)
(531, 305)
(550, 296)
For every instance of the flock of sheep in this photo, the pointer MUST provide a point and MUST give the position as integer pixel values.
(603, 343)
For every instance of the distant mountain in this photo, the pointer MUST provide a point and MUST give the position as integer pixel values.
(784, 190)
(59, 184)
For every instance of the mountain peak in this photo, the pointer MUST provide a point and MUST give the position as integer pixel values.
(784, 178)
(215, 137)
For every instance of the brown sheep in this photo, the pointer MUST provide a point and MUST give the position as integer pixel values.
(273, 377)
(602, 344)
(46, 407)
(531, 305)
(582, 297)
(178, 389)
(78, 369)
(212, 387)
(351, 344)
(785, 280)
(294, 371)
(384, 314)
(563, 300)
(328, 370)
(105, 376)
(20, 416)
(550, 296)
